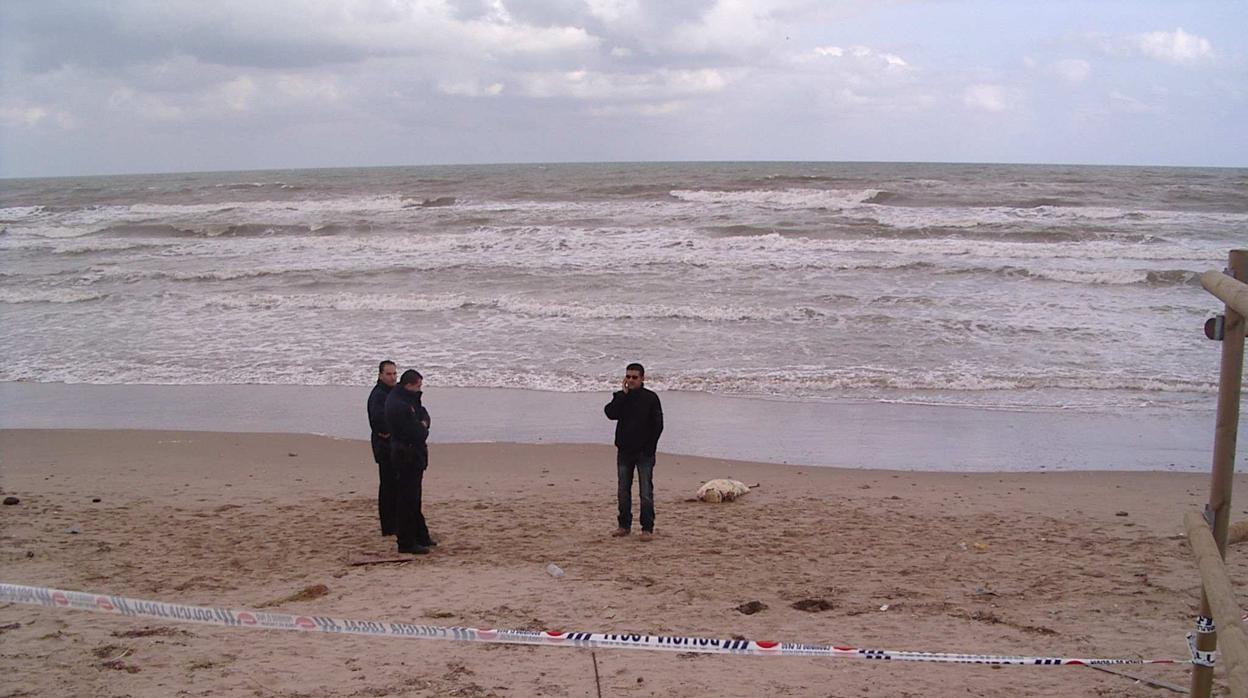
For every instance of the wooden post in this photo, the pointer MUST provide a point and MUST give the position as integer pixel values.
(1233, 292)
(1217, 586)
(1229, 386)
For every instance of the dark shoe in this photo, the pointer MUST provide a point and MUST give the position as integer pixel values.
(620, 533)
(430, 543)
(414, 550)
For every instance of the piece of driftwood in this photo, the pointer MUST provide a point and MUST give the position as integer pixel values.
(315, 591)
(377, 560)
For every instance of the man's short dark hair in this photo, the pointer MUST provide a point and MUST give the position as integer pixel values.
(410, 376)
(636, 367)
(381, 367)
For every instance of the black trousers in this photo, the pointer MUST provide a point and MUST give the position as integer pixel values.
(387, 488)
(409, 462)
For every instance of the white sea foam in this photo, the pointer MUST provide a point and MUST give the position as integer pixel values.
(339, 301)
(1043, 217)
(783, 198)
(946, 386)
(538, 249)
(208, 219)
(56, 295)
(814, 381)
(603, 246)
(391, 212)
(857, 205)
(509, 305)
(1110, 277)
(551, 247)
(620, 311)
(75, 246)
(19, 213)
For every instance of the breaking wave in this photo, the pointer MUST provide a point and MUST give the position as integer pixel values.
(17, 295)
(781, 198)
(510, 306)
(1109, 277)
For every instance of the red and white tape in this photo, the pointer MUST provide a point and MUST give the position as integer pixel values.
(235, 618)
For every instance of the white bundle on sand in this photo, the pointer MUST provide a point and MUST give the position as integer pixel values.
(721, 490)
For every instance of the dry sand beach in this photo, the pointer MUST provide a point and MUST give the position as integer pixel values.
(1085, 564)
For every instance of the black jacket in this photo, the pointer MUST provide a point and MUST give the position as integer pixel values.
(377, 409)
(404, 415)
(639, 420)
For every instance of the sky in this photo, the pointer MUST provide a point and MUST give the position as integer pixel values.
(131, 86)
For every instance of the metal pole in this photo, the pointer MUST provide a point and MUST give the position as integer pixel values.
(1218, 511)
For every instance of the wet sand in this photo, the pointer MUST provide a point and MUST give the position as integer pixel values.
(849, 435)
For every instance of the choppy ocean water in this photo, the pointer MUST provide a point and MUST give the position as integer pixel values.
(1010, 287)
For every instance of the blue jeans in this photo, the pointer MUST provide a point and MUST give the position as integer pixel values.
(625, 462)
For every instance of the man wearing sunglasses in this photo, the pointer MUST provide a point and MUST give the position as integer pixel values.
(638, 417)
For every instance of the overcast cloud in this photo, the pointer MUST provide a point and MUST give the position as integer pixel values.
(171, 85)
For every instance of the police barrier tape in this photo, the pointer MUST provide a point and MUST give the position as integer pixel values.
(235, 618)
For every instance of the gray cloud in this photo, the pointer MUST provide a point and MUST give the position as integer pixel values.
(50, 36)
(144, 85)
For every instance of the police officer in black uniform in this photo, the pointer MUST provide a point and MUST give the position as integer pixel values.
(409, 455)
(387, 486)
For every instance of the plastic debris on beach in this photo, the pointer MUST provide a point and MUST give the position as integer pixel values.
(554, 570)
(722, 490)
(307, 593)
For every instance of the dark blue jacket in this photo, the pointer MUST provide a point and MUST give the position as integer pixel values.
(403, 415)
(639, 420)
(377, 409)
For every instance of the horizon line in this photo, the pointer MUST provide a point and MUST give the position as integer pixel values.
(535, 163)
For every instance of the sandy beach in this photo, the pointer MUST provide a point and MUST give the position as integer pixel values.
(948, 288)
(1082, 564)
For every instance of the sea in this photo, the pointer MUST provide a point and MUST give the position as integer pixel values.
(991, 287)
